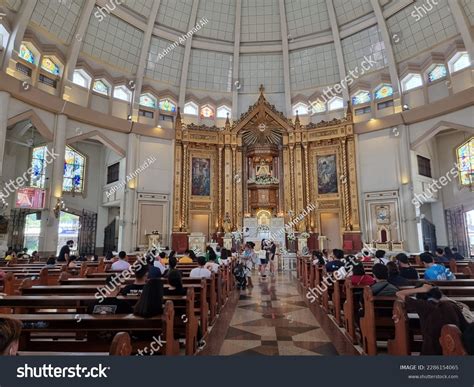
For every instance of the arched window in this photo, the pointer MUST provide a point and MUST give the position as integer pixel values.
(459, 61)
(74, 164)
(411, 81)
(122, 93)
(383, 91)
(301, 108)
(101, 87)
(47, 64)
(223, 111)
(437, 72)
(191, 108)
(26, 54)
(336, 103)
(74, 168)
(318, 106)
(81, 78)
(361, 97)
(465, 155)
(207, 112)
(167, 105)
(148, 100)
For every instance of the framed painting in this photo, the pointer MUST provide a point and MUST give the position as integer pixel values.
(201, 177)
(327, 174)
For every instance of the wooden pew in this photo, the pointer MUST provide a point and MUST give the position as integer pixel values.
(451, 341)
(37, 329)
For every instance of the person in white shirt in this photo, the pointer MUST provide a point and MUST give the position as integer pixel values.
(380, 257)
(201, 271)
(159, 264)
(212, 265)
(122, 263)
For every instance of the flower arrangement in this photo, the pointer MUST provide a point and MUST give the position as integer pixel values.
(237, 235)
(305, 235)
(291, 236)
(263, 180)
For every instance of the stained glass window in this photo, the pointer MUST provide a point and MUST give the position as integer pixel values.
(38, 167)
(48, 65)
(411, 81)
(223, 112)
(361, 97)
(318, 106)
(384, 91)
(100, 87)
(74, 164)
(191, 109)
(27, 54)
(148, 101)
(207, 112)
(437, 73)
(167, 106)
(336, 103)
(465, 154)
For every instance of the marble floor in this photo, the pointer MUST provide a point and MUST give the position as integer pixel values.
(272, 319)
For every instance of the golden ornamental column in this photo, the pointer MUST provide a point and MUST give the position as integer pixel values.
(286, 182)
(354, 194)
(306, 184)
(185, 194)
(238, 182)
(292, 177)
(219, 188)
(234, 187)
(178, 188)
(299, 182)
(345, 185)
(227, 183)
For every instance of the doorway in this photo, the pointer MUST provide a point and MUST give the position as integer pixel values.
(331, 228)
(470, 230)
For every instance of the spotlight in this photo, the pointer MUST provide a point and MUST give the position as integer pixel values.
(405, 107)
(129, 117)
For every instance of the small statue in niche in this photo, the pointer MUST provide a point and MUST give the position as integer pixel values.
(263, 169)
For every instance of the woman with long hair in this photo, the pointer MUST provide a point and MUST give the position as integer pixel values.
(150, 303)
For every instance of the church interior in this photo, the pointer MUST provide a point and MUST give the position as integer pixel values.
(252, 156)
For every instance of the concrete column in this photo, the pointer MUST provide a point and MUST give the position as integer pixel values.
(48, 242)
(4, 102)
(127, 228)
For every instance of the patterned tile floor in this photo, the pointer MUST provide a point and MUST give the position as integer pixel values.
(272, 319)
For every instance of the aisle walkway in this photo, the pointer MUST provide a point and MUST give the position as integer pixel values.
(272, 319)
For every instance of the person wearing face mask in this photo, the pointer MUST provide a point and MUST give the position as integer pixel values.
(65, 251)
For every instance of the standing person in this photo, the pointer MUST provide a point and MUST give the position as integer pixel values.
(10, 330)
(263, 255)
(65, 251)
(406, 270)
(249, 259)
(271, 256)
(122, 263)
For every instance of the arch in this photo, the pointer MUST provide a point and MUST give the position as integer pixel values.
(98, 136)
(35, 120)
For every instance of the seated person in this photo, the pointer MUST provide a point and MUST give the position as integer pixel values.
(468, 339)
(159, 262)
(440, 257)
(435, 272)
(382, 287)
(10, 330)
(141, 274)
(366, 256)
(35, 255)
(122, 263)
(380, 257)
(110, 304)
(150, 303)
(71, 262)
(189, 257)
(200, 271)
(95, 258)
(51, 262)
(175, 282)
(434, 313)
(360, 278)
(394, 276)
(153, 271)
(211, 264)
(318, 258)
(336, 262)
(10, 255)
(457, 256)
(406, 271)
(164, 258)
(448, 253)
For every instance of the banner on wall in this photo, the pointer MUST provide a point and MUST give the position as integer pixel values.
(30, 198)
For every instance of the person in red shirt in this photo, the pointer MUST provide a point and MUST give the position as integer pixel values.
(359, 278)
